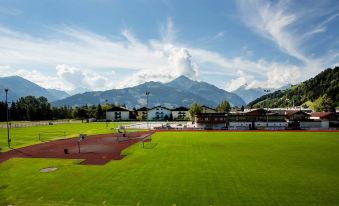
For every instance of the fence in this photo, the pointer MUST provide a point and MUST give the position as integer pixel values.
(36, 123)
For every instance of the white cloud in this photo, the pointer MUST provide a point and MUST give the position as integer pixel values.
(168, 32)
(180, 60)
(179, 63)
(276, 76)
(273, 21)
(35, 76)
(80, 78)
(279, 23)
(79, 58)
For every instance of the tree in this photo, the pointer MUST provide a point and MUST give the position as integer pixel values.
(242, 108)
(224, 107)
(99, 113)
(3, 111)
(80, 113)
(327, 104)
(195, 109)
(13, 112)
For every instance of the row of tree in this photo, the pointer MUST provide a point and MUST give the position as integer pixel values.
(223, 107)
(31, 108)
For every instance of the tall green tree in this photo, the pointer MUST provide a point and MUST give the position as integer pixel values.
(325, 104)
(224, 107)
(99, 113)
(195, 109)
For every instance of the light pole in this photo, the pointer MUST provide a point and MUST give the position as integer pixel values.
(267, 91)
(147, 94)
(7, 115)
(106, 113)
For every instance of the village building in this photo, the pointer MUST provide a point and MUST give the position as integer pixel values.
(118, 114)
(159, 113)
(180, 113)
(206, 109)
(141, 113)
(210, 121)
(256, 119)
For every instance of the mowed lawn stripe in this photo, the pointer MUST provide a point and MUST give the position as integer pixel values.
(190, 168)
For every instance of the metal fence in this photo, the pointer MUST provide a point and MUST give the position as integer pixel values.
(36, 123)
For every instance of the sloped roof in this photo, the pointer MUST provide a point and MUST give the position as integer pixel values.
(210, 114)
(256, 112)
(321, 115)
(142, 109)
(208, 107)
(293, 112)
(180, 109)
(117, 109)
(159, 107)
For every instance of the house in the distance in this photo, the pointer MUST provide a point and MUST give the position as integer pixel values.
(206, 109)
(141, 113)
(159, 113)
(180, 113)
(118, 114)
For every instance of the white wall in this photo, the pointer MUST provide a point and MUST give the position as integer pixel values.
(314, 125)
(209, 126)
(258, 125)
(175, 114)
(110, 115)
(153, 113)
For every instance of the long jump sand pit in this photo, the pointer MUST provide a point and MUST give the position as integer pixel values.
(94, 150)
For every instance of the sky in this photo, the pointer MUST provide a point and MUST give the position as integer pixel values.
(107, 44)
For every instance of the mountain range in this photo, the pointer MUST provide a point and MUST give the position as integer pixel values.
(251, 94)
(20, 87)
(316, 93)
(182, 91)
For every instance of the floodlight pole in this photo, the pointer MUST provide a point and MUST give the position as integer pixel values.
(7, 115)
(106, 112)
(147, 94)
(267, 91)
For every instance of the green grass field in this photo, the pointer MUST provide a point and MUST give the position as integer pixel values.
(29, 135)
(189, 168)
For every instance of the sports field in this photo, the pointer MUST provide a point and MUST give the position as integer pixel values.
(30, 135)
(189, 168)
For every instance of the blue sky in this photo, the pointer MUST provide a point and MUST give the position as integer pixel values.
(102, 44)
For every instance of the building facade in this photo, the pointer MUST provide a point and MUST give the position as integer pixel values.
(141, 113)
(210, 121)
(118, 114)
(180, 113)
(159, 113)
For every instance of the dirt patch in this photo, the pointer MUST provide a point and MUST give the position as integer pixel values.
(48, 169)
(95, 149)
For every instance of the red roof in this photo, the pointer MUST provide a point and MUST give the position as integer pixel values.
(293, 112)
(321, 115)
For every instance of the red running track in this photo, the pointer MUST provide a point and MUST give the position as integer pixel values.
(94, 150)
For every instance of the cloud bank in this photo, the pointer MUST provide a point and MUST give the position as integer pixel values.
(66, 58)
